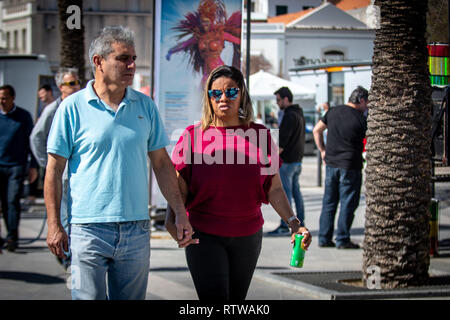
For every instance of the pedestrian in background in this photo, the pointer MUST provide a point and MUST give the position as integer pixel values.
(16, 125)
(105, 132)
(292, 145)
(45, 94)
(46, 97)
(223, 197)
(68, 83)
(342, 155)
(321, 110)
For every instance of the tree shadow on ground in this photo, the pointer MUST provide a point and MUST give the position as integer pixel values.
(30, 277)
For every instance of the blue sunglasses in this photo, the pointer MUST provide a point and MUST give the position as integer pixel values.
(230, 93)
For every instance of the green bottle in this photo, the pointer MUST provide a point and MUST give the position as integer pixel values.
(298, 252)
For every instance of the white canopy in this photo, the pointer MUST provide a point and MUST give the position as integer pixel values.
(264, 84)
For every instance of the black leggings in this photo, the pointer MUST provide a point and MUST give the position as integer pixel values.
(222, 267)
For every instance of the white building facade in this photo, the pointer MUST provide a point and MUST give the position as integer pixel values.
(32, 27)
(262, 9)
(322, 34)
(321, 31)
(315, 36)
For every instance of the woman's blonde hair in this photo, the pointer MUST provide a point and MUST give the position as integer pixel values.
(245, 109)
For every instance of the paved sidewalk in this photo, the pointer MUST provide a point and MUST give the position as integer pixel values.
(33, 273)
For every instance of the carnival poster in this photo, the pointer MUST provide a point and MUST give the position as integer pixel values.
(192, 37)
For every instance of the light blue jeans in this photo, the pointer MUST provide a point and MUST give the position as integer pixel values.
(110, 260)
(290, 175)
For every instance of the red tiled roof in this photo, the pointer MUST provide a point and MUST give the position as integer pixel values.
(346, 5)
(289, 17)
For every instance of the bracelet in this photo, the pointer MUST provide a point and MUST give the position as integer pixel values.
(291, 219)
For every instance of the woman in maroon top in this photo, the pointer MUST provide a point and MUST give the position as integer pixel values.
(226, 169)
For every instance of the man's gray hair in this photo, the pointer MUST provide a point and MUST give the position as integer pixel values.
(62, 72)
(102, 45)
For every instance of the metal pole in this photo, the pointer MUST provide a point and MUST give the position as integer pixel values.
(152, 91)
(319, 169)
(319, 161)
(319, 156)
(247, 65)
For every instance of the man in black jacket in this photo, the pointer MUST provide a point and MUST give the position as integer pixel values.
(292, 144)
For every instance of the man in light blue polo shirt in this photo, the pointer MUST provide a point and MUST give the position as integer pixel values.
(105, 132)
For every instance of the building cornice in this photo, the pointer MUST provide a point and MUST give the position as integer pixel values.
(332, 64)
(103, 13)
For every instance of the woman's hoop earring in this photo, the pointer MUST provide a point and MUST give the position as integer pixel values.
(241, 113)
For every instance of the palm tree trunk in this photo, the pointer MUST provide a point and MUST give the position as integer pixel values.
(72, 40)
(398, 149)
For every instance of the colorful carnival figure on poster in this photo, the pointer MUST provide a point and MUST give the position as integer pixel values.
(208, 28)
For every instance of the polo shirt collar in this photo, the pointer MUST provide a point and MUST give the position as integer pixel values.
(130, 95)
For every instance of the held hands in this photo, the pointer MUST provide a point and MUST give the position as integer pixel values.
(181, 231)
